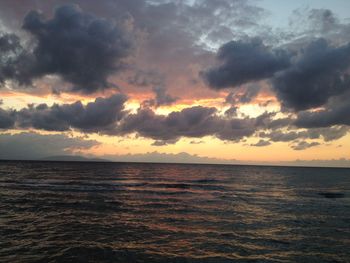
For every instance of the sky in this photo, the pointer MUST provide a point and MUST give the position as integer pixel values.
(210, 81)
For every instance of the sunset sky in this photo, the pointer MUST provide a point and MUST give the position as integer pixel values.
(226, 81)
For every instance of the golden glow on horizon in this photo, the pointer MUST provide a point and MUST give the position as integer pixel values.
(215, 148)
(207, 146)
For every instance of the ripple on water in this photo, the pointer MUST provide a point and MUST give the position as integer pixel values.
(74, 212)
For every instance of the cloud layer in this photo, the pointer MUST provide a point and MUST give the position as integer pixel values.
(180, 52)
(82, 49)
(318, 73)
(98, 116)
(245, 61)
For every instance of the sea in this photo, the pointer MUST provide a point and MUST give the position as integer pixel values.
(144, 212)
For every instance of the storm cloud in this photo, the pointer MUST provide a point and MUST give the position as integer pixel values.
(98, 116)
(162, 98)
(319, 73)
(193, 122)
(335, 113)
(7, 119)
(291, 134)
(163, 45)
(245, 61)
(242, 96)
(15, 61)
(261, 143)
(108, 116)
(302, 145)
(79, 47)
(190, 122)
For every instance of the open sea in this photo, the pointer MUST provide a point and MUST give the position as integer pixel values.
(128, 212)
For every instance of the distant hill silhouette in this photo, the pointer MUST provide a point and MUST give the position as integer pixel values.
(73, 158)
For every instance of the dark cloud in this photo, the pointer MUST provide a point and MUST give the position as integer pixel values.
(161, 98)
(107, 116)
(327, 134)
(142, 78)
(243, 95)
(176, 36)
(281, 136)
(280, 123)
(318, 73)
(302, 145)
(261, 143)
(322, 19)
(191, 122)
(335, 113)
(245, 61)
(330, 134)
(98, 116)
(195, 122)
(231, 112)
(15, 61)
(250, 93)
(196, 142)
(305, 73)
(78, 46)
(35, 146)
(7, 119)
(81, 48)
(164, 142)
(235, 129)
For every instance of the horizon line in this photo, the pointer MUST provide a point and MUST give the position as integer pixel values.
(175, 163)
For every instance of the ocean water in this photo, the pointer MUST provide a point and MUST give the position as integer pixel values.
(110, 212)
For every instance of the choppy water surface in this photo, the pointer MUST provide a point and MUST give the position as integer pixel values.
(109, 212)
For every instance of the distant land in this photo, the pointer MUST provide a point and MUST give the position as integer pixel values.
(155, 157)
(181, 158)
(73, 158)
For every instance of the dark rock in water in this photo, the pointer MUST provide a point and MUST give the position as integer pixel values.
(332, 195)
